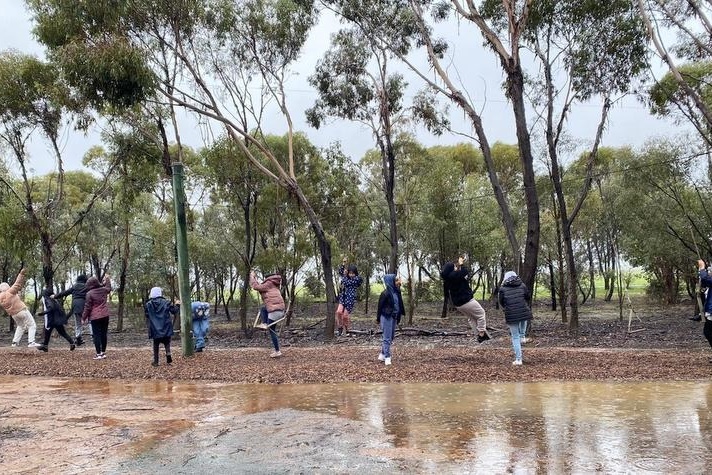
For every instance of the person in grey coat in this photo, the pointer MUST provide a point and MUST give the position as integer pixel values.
(79, 295)
(514, 299)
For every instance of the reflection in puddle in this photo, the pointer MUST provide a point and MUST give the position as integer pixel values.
(506, 427)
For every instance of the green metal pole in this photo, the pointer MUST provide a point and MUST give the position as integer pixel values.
(182, 247)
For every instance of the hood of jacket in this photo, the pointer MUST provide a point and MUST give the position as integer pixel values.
(512, 281)
(390, 281)
(276, 279)
(92, 283)
(158, 303)
(81, 279)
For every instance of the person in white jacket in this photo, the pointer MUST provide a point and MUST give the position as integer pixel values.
(16, 308)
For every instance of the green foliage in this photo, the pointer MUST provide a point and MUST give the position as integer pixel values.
(667, 92)
(31, 94)
(603, 45)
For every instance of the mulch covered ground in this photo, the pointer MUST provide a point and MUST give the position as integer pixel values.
(662, 344)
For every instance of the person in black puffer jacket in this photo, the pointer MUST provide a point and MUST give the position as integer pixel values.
(54, 319)
(79, 296)
(457, 288)
(514, 298)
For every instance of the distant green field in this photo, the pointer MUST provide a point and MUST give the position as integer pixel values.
(636, 282)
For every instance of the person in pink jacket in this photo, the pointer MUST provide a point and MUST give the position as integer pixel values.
(15, 307)
(273, 308)
(96, 311)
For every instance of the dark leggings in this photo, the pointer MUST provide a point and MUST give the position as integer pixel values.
(100, 333)
(272, 330)
(708, 331)
(166, 340)
(62, 332)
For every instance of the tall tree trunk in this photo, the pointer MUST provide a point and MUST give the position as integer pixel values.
(324, 252)
(591, 269)
(123, 268)
(515, 89)
(47, 266)
(552, 284)
(388, 169)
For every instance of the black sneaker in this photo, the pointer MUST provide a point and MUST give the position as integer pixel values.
(79, 341)
(155, 363)
(72, 347)
(42, 348)
(198, 350)
(169, 359)
(696, 318)
(482, 338)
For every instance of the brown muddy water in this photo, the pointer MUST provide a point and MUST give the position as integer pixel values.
(68, 426)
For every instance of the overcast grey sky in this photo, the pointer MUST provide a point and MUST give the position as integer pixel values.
(630, 123)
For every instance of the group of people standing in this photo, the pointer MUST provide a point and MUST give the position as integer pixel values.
(89, 305)
(513, 296)
(90, 310)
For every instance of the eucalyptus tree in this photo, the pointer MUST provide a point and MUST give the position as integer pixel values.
(355, 81)
(685, 86)
(19, 246)
(335, 189)
(236, 185)
(218, 47)
(599, 223)
(138, 156)
(661, 214)
(404, 25)
(217, 256)
(584, 50)
(35, 102)
(668, 99)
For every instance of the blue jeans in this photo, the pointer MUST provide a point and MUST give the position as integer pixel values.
(517, 330)
(264, 316)
(200, 329)
(388, 325)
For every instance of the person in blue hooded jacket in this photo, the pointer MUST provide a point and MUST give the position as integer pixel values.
(390, 310)
(706, 312)
(200, 312)
(159, 319)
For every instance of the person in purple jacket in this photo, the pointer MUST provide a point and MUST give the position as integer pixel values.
(96, 311)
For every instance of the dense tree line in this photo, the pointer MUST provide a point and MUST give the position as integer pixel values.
(559, 208)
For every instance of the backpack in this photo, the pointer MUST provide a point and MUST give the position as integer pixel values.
(56, 310)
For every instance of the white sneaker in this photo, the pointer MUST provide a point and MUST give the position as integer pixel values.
(14, 344)
(388, 361)
(263, 326)
(381, 357)
(517, 363)
(275, 354)
(33, 344)
(526, 340)
(99, 357)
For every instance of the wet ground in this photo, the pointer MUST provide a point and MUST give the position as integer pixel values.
(601, 399)
(172, 427)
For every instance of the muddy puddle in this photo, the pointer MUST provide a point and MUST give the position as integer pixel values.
(68, 426)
